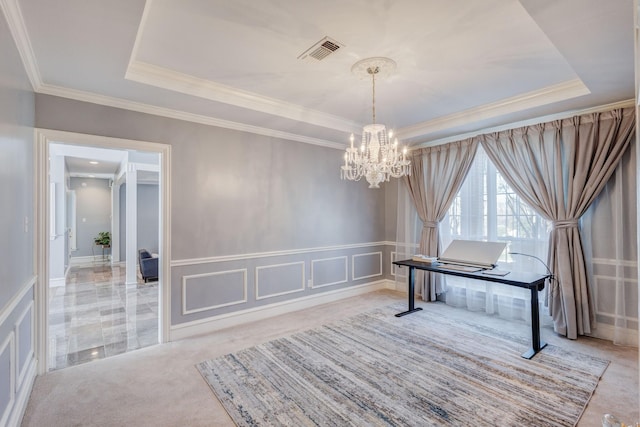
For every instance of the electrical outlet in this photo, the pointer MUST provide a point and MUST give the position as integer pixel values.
(309, 283)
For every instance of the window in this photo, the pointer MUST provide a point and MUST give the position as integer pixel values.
(487, 208)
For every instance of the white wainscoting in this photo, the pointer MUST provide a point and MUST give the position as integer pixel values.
(7, 371)
(24, 336)
(292, 279)
(212, 324)
(354, 265)
(209, 260)
(280, 286)
(17, 354)
(607, 285)
(394, 269)
(242, 285)
(316, 267)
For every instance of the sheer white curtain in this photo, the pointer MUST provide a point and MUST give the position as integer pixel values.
(486, 208)
(609, 230)
(437, 173)
(408, 229)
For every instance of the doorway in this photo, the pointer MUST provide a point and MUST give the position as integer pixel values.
(100, 305)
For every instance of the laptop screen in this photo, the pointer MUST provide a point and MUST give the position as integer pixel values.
(473, 252)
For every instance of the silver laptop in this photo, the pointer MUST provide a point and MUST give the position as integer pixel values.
(473, 254)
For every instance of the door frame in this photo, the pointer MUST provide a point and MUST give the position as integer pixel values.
(41, 244)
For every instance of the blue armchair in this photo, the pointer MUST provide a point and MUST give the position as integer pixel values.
(148, 266)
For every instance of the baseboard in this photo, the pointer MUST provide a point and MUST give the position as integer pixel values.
(60, 281)
(83, 260)
(397, 286)
(22, 398)
(212, 324)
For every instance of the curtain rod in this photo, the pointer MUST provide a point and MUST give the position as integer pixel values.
(528, 122)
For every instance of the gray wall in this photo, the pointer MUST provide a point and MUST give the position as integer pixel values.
(238, 193)
(148, 218)
(93, 214)
(391, 209)
(16, 243)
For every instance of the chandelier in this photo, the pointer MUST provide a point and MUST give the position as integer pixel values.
(377, 159)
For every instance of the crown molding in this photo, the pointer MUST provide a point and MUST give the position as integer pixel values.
(160, 77)
(139, 33)
(18, 29)
(180, 115)
(547, 95)
(164, 78)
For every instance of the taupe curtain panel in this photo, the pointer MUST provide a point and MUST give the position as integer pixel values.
(437, 173)
(559, 168)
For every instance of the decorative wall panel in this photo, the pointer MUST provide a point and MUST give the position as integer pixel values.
(329, 271)
(279, 279)
(207, 291)
(366, 266)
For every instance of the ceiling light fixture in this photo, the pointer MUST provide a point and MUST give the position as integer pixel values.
(377, 159)
(93, 162)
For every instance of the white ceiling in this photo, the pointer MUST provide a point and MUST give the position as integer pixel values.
(102, 163)
(89, 162)
(462, 65)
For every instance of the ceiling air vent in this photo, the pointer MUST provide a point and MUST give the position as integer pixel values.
(321, 50)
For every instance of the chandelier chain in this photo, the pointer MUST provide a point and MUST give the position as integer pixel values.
(373, 72)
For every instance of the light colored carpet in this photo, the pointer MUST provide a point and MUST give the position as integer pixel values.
(422, 369)
(159, 386)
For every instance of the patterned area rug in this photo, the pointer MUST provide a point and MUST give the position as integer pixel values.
(420, 370)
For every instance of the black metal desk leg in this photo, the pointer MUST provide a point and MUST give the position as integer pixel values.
(410, 292)
(536, 343)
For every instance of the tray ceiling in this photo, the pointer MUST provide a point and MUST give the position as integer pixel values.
(461, 66)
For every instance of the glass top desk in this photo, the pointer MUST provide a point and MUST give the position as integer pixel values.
(532, 281)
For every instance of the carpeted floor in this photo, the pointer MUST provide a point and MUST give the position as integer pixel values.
(159, 386)
(423, 369)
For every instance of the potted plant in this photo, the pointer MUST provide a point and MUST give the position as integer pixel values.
(103, 239)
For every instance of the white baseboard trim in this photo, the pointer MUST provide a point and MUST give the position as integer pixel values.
(77, 260)
(608, 332)
(212, 324)
(22, 398)
(82, 260)
(400, 287)
(60, 281)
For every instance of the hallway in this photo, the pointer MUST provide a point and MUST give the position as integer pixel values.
(95, 315)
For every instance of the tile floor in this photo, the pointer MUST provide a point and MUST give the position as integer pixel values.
(95, 315)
